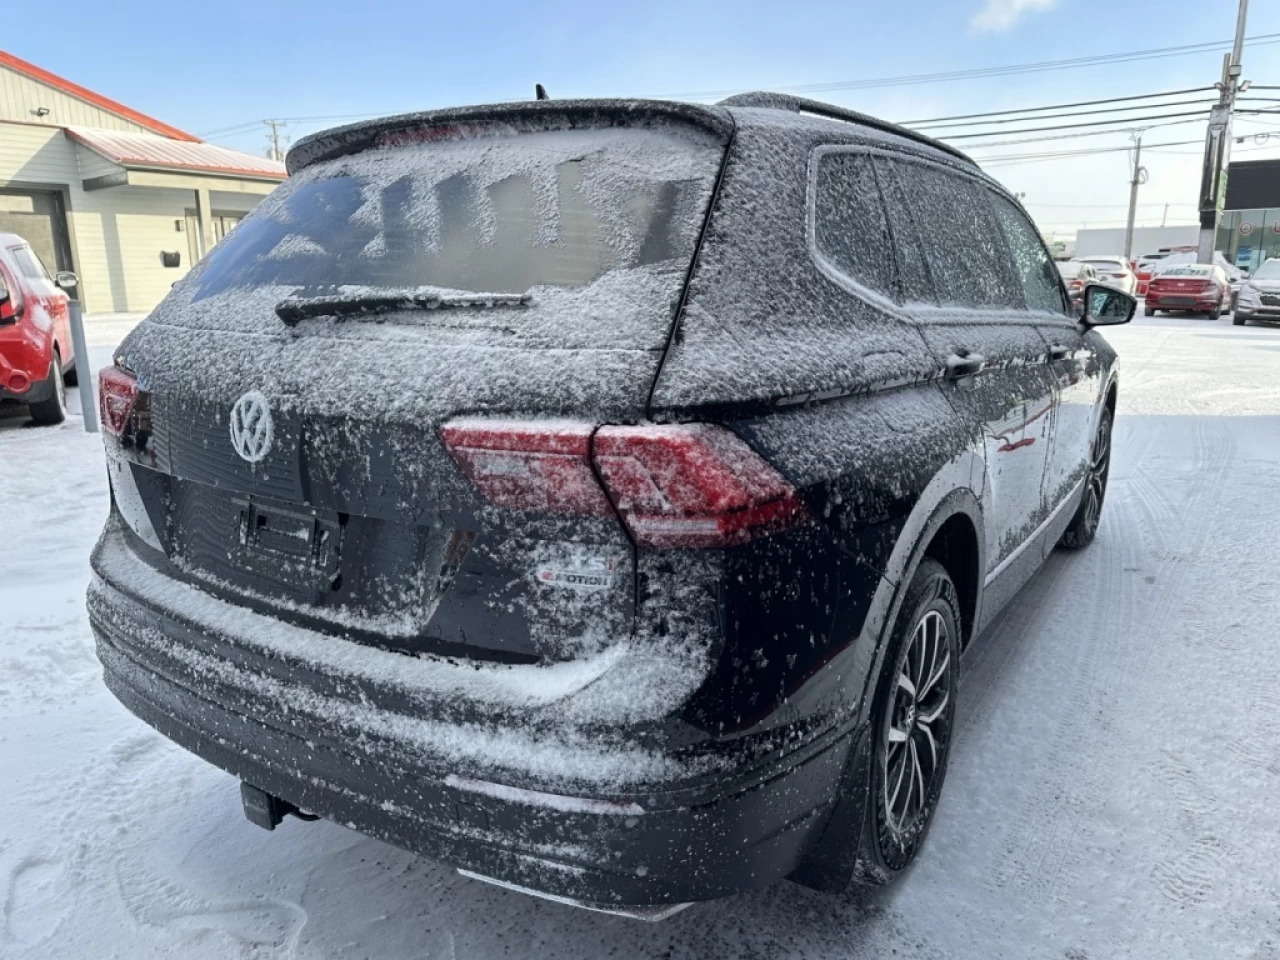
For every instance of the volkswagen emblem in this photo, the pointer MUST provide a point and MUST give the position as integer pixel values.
(252, 432)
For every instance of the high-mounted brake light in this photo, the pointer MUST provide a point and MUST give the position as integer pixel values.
(117, 394)
(688, 485)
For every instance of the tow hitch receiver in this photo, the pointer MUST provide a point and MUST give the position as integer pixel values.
(266, 810)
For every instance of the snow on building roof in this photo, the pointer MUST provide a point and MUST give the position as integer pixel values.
(41, 75)
(147, 150)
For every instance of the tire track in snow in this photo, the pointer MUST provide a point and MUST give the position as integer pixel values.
(1042, 850)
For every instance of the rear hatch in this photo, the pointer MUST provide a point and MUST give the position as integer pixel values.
(291, 442)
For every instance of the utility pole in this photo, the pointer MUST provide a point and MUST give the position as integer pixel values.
(1164, 216)
(1139, 178)
(1217, 145)
(275, 153)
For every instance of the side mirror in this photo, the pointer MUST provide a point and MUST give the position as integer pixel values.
(1107, 306)
(66, 280)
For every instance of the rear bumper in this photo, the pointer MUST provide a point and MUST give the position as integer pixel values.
(34, 392)
(23, 361)
(713, 828)
(1173, 302)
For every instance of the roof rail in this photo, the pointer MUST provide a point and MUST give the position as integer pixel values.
(784, 101)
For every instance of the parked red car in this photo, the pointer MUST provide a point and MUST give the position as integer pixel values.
(1190, 287)
(36, 358)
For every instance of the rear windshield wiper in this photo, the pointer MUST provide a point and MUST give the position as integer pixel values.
(339, 305)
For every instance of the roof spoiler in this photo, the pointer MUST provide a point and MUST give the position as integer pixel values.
(554, 114)
(783, 101)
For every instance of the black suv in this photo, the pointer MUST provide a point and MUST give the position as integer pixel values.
(597, 495)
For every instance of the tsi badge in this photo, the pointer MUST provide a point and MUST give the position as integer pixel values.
(252, 432)
(579, 572)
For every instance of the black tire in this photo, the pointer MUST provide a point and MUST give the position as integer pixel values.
(1216, 313)
(1084, 525)
(915, 699)
(1239, 321)
(51, 412)
(71, 375)
(1148, 311)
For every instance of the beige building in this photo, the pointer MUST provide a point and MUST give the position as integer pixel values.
(125, 201)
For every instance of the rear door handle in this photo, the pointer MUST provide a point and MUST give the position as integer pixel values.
(960, 367)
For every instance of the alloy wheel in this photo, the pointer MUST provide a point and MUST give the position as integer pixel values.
(1099, 465)
(916, 733)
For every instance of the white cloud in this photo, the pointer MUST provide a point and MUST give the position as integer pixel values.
(997, 15)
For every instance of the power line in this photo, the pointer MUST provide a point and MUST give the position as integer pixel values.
(1070, 113)
(1131, 121)
(1061, 106)
(1036, 67)
(1058, 154)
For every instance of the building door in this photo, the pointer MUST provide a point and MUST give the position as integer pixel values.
(222, 225)
(37, 217)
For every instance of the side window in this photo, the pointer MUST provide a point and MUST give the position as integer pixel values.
(28, 263)
(849, 226)
(966, 252)
(1035, 270)
(914, 278)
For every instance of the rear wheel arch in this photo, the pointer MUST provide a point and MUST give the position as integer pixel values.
(955, 528)
(956, 545)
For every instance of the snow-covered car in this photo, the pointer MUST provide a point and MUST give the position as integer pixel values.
(1114, 272)
(597, 495)
(1258, 297)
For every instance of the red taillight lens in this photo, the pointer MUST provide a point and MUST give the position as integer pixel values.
(528, 466)
(693, 485)
(117, 394)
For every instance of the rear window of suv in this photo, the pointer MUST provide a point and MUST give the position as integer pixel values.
(544, 213)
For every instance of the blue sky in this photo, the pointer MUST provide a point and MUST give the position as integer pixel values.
(205, 67)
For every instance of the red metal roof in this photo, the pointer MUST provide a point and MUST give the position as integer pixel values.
(75, 90)
(145, 150)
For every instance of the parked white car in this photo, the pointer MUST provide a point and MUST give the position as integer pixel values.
(1114, 271)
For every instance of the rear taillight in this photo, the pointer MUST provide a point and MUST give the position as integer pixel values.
(692, 485)
(524, 465)
(117, 394)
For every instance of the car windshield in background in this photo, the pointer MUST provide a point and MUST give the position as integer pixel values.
(1268, 271)
(501, 213)
(1070, 270)
(1114, 266)
(1189, 270)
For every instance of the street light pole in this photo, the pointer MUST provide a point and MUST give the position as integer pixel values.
(1217, 146)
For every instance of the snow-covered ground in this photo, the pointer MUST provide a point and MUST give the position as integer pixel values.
(1113, 791)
